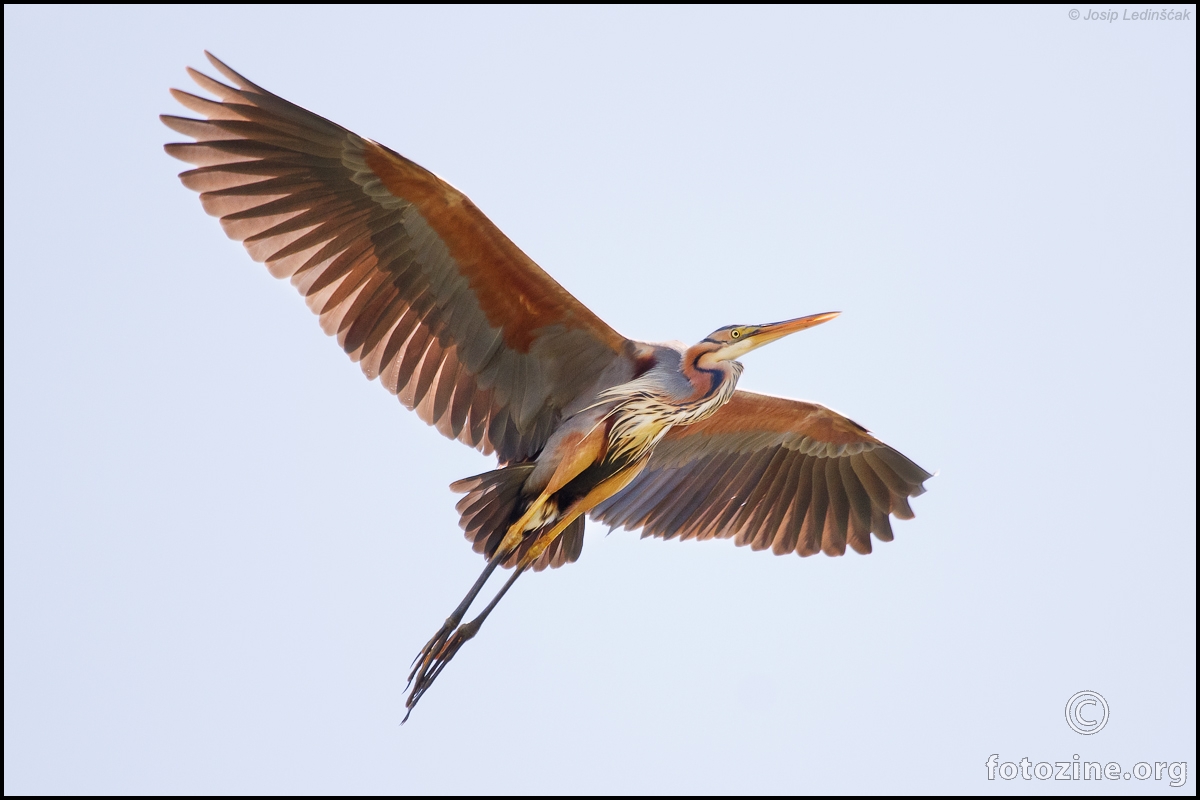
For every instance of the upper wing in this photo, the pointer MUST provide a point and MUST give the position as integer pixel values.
(418, 285)
(770, 472)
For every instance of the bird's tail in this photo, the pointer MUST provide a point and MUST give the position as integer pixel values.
(494, 500)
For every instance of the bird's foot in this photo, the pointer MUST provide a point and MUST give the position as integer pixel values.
(432, 646)
(434, 657)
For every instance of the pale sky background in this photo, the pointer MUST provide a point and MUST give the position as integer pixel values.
(223, 546)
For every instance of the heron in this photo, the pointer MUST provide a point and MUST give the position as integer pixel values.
(429, 297)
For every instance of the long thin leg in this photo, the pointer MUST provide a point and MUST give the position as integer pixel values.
(421, 663)
(442, 647)
(437, 654)
(433, 664)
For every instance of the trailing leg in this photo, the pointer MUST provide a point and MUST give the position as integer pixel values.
(447, 642)
(435, 661)
(435, 644)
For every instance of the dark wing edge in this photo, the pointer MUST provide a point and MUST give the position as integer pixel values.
(418, 286)
(771, 473)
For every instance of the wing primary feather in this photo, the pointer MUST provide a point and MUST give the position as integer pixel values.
(394, 348)
(895, 485)
(369, 336)
(430, 364)
(784, 496)
(659, 497)
(238, 80)
(340, 231)
(788, 539)
(858, 535)
(696, 482)
(875, 488)
(723, 494)
(478, 419)
(765, 495)
(369, 311)
(215, 87)
(498, 431)
(747, 480)
(881, 525)
(900, 507)
(645, 496)
(834, 540)
(446, 379)
(460, 406)
(741, 527)
(353, 258)
(362, 300)
(860, 503)
(413, 352)
(904, 467)
(726, 504)
(705, 483)
(814, 520)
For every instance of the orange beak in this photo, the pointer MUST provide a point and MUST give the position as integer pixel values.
(777, 330)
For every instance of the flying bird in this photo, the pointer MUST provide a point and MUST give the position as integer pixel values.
(431, 298)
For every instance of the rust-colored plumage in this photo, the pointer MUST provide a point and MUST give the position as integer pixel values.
(747, 473)
(427, 295)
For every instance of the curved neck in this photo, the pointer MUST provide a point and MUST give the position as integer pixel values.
(705, 372)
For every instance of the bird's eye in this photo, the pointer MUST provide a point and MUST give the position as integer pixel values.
(735, 334)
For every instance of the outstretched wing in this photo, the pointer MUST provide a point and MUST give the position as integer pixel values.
(417, 284)
(770, 472)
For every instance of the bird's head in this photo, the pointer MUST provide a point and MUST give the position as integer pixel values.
(734, 341)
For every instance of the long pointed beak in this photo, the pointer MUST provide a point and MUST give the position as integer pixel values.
(777, 330)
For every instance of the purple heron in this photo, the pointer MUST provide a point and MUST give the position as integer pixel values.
(428, 296)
